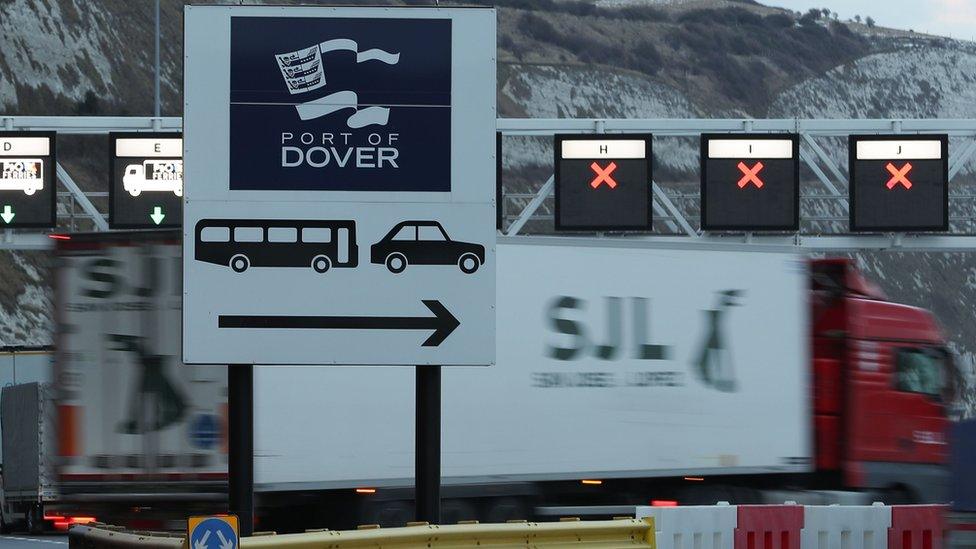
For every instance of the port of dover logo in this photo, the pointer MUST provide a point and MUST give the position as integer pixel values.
(303, 72)
(340, 104)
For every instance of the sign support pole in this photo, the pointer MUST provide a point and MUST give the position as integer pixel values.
(240, 397)
(427, 453)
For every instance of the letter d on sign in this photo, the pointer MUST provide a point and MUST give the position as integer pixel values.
(284, 157)
(7, 146)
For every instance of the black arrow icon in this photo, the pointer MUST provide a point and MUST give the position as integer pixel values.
(443, 322)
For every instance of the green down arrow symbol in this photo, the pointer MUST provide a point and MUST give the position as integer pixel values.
(8, 214)
(157, 215)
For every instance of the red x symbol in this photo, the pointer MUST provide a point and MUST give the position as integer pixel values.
(898, 176)
(603, 175)
(750, 175)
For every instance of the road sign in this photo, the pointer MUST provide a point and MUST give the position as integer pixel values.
(28, 192)
(603, 183)
(146, 180)
(340, 198)
(750, 182)
(899, 182)
(213, 532)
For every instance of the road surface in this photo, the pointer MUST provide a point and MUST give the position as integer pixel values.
(23, 541)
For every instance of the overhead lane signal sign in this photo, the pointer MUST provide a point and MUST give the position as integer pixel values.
(603, 183)
(27, 184)
(145, 180)
(750, 182)
(899, 182)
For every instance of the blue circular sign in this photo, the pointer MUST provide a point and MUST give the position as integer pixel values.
(213, 533)
(204, 431)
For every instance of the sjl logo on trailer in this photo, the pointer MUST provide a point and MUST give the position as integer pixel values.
(216, 532)
(340, 104)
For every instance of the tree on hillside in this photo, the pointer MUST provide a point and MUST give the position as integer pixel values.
(869, 21)
(857, 18)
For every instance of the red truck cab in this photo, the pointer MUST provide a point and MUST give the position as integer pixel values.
(882, 377)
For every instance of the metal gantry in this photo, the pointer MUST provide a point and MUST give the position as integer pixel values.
(666, 204)
(827, 172)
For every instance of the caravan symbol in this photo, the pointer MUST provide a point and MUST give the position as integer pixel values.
(154, 175)
(21, 174)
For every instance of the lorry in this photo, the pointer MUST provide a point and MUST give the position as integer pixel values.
(155, 175)
(22, 174)
(628, 372)
(29, 444)
(136, 437)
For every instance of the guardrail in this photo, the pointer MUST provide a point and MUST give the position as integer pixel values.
(719, 526)
(95, 535)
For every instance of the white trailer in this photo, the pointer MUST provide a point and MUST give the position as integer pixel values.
(136, 426)
(616, 360)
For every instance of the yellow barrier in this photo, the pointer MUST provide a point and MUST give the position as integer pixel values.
(607, 534)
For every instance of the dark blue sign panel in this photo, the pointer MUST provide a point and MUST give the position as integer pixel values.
(340, 104)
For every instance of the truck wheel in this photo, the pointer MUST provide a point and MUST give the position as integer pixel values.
(34, 517)
(455, 510)
(389, 514)
(503, 509)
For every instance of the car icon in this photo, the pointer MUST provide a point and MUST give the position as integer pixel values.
(424, 243)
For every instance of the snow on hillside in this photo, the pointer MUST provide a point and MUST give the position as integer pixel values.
(909, 82)
(40, 47)
(553, 91)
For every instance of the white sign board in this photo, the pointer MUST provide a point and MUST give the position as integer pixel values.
(339, 185)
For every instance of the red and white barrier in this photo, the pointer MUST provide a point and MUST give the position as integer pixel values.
(793, 526)
(769, 527)
(916, 527)
(845, 527)
(692, 527)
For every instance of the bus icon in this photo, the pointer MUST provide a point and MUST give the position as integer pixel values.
(154, 175)
(244, 243)
(21, 174)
